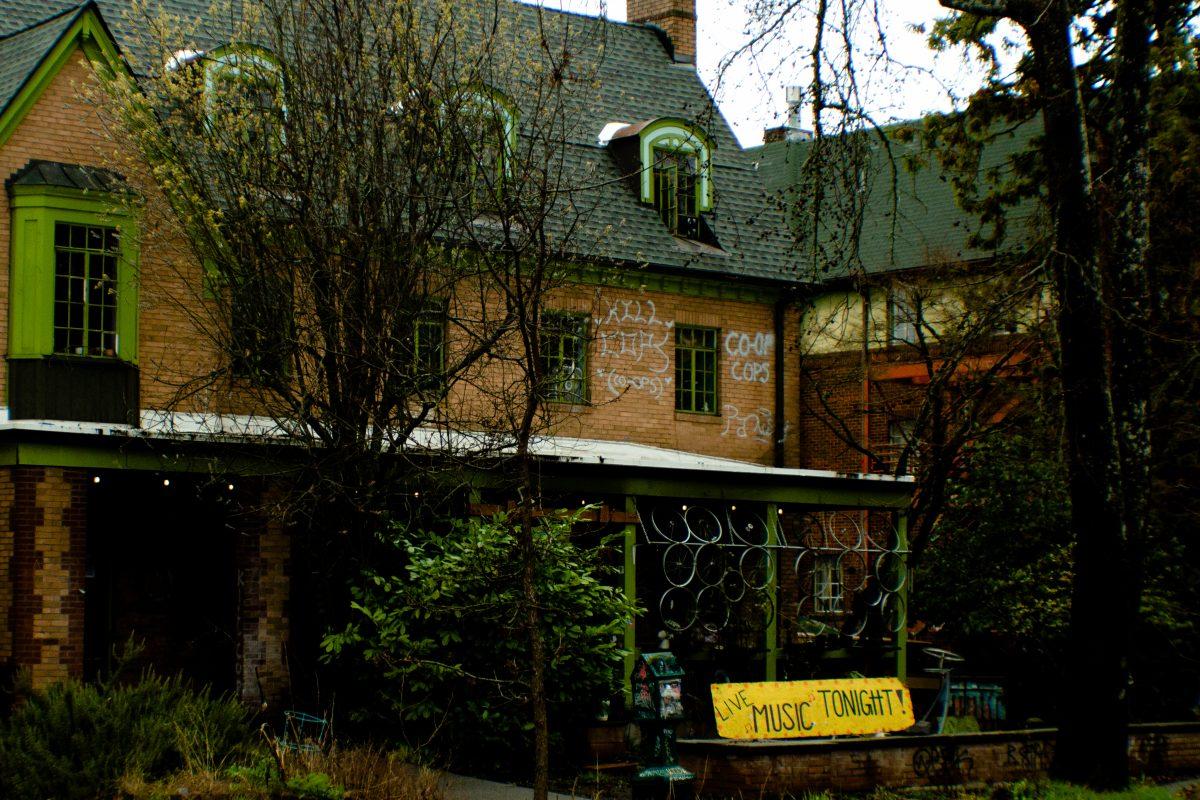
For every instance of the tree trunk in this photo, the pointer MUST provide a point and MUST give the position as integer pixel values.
(533, 623)
(1093, 735)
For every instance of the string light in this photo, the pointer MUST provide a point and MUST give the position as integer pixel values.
(166, 481)
(230, 487)
(95, 479)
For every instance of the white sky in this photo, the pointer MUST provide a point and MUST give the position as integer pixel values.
(751, 94)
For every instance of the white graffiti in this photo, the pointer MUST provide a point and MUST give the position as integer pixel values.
(749, 356)
(757, 424)
(618, 383)
(643, 347)
(632, 312)
(632, 332)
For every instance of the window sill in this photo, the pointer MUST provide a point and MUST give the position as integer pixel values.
(568, 406)
(704, 417)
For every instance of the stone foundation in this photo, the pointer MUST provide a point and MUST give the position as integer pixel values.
(726, 768)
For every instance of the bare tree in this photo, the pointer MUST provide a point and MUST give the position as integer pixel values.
(367, 204)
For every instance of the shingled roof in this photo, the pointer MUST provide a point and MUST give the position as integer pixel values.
(637, 81)
(925, 225)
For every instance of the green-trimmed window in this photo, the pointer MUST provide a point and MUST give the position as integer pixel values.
(85, 289)
(696, 369)
(675, 191)
(429, 349)
(73, 280)
(244, 95)
(564, 344)
(261, 326)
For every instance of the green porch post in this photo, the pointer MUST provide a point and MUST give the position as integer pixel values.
(772, 656)
(630, 595)
(902, 634)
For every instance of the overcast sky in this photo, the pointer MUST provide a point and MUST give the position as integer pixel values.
(751, 93)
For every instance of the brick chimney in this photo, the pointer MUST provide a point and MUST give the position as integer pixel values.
(676, 17)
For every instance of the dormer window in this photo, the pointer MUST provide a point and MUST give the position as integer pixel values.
(675, 192)
(488, 122)
(243, 89)
(674, 170)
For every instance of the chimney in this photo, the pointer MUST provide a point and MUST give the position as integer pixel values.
(793, 131)
(677, 18)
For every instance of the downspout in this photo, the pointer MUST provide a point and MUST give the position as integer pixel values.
(865, 399)
(780, 312)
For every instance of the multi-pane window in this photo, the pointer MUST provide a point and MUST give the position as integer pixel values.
(905, 313)
(429, 349)
(261, 327)
(675, 191)
(85, 289)
(902, 432)
(564, 357)
(827, 585)
(696, 369)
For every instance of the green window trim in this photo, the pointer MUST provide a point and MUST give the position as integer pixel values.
(675, 191)
(254, 72)
(696, 369)
(36, 210)
(429, 350)
(678, 136)
(564, 356)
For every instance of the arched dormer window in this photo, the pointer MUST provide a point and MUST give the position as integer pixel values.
(674, 170)
(489, 118)
(243, 87)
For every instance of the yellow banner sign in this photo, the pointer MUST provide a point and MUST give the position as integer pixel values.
(790, 709)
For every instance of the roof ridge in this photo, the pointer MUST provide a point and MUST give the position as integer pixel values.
(46, 21)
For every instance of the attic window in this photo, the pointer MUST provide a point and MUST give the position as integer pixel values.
(675, 192)
(243, 90)
(674, 166)
(491, 119)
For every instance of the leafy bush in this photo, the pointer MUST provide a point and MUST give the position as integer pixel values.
(75, 740)
(447, 638)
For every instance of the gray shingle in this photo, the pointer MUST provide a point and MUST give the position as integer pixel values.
(637, 81)
(924, 226)
(22, 50)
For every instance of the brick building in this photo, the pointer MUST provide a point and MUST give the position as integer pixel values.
(122, 512)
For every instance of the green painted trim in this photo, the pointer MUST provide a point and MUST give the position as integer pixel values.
(36, 210)
(644, 280)
(110, 456)
(720, 487)
(87, 32)
(682, 136)
(902, 634)
(630, 575)
(772, 636)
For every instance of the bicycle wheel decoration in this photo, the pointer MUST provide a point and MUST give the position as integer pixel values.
(719, 567)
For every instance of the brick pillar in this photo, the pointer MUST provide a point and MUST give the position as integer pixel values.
(6, 559)
(46, 524)
(676, 17)
(263, 553)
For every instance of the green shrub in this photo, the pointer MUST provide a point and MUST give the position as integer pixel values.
(75, 740)
(445, 636)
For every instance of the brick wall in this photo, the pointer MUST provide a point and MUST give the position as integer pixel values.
(263, 555)
(631, 369)
(676, 17)
(46, 523)
(725, 768)
(631, 373)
